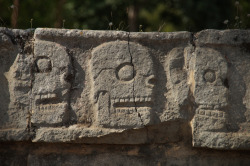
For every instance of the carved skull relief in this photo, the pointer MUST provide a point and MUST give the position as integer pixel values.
(15, 84)
(210, 90)
(177, 75)
(123, 83)
(51, 85)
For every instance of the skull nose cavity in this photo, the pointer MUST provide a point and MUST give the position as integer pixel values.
(68, 76)
(151, 81)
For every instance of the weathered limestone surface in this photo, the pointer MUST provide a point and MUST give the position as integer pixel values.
(167, 90)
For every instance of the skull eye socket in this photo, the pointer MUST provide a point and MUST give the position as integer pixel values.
(43, 65)
(125, 72)
(210, 76)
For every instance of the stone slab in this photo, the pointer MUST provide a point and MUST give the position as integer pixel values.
(115, 87)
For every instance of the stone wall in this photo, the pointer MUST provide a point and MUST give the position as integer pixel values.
(76, 97)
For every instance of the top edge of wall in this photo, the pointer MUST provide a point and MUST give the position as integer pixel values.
(222, 37)
(204, 37)
(49, 33)
(15, 32)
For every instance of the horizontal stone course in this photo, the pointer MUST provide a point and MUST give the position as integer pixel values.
(125, 88)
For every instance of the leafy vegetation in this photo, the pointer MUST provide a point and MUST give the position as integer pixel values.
(133, 15)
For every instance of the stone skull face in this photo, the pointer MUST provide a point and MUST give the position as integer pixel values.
(210, 79)
(123, 78)
(51, 85)
(210, 89)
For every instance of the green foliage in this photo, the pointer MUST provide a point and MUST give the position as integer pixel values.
(5, 12)
(157, 15)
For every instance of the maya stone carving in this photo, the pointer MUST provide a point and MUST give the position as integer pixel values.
(123, 83)
(199, 85)
(210, 91)
(51, 86)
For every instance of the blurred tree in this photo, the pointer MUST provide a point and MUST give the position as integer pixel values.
(14, 16)
(132, 11)
(5, 13)
(244, 13)
(43, 13)
(205, 14)
(59, 12)
(133, 15)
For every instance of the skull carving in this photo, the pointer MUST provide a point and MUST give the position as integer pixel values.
(210, 90)
(51, 85)
(123, 83)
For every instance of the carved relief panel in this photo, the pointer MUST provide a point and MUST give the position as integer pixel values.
(52, 70)
(85, 86)
(123, 84)
(210, 90)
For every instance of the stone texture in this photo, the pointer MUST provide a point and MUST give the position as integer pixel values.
(15, 81)
(221, 118)
(113, 87)
(95, 155)
(117, 83)
(123, 84)
(52, 74)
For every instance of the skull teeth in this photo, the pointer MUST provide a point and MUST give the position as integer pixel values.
(129, 110)
(51, 107)
(217, 106)
(45, 96)
(132, 99)
(125, 110)
(212, 113)
(25, 108)
(126, 100)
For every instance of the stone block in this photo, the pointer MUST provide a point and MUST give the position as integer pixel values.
(114, 87)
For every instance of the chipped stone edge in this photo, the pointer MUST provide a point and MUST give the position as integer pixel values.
(71, 134)
(233, 37)
(215, 140)
(223, 141)
(53, 34)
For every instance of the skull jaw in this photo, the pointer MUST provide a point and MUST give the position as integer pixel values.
(50, 114)
(50, 109)
(112, 114)
(126, 118)
(213, 120)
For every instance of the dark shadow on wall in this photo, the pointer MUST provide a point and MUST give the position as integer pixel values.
(159, 89)
(8, 55)
(236, 86)
(4, 96)
(78, 85)
(237, 90)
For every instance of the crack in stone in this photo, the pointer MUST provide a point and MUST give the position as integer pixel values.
(192, 40)
(29, 124)
(131, 61)
(191, 98)
(72, 82)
